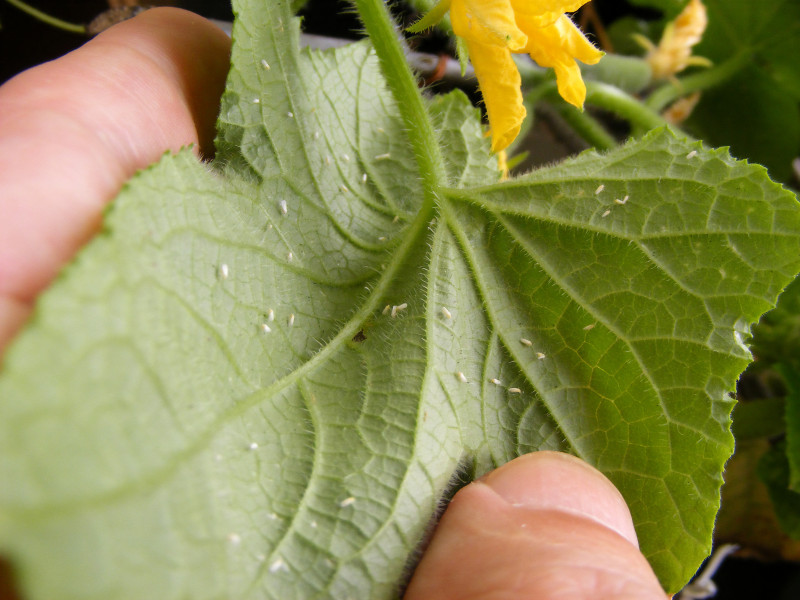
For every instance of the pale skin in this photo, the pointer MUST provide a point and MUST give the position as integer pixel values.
(545, 526)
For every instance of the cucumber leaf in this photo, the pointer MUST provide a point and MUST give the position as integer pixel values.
(262, 377)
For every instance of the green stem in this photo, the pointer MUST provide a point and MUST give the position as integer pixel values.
(668, 93)
(623, 105)
(586, 126)
(611, 98)
(53, 21)
(403, 85)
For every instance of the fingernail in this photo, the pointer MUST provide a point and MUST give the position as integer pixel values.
(558, 481)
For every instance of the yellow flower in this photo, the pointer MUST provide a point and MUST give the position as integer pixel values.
(494, 29)
(674, 52)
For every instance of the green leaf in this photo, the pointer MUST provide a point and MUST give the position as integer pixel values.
(228, 396)
(770, 29)
(773, 469)
(763, 418)
(776, 342)
(766, 90)
(792, 378)
(776, 337)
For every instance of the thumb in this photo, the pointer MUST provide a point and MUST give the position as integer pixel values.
(72, 131)
(544, 526)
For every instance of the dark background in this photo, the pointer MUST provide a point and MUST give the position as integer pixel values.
(25, 42)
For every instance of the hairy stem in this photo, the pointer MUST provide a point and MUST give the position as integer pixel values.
(610, 98)
(403, 85)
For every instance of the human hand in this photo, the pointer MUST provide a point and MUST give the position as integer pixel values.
(73, 131)
(544, 526)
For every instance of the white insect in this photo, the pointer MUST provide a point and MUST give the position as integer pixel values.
(278, 565)
(265, 64)
(514, 391)
(589, 327)
(253, 446)
(461, 377)
(346, 157)
(383, 156)
(347, 502)
(600, 188)
(623, 201)
(284, 208)
(386, 309)
(290, 114)
(691, 154)
(265, 328)
(224, 271)
(316, 135)
(446, 313)
(270, 315)
(398, 308)
(605, 214)
(344, 188)
(234, 538)
(541, 355)
(256, 100)
(525, 342)
(496, 381)
(290, 256)
(327, 160)
(291, 320)
(363, 178)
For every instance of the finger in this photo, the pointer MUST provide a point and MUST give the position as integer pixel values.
(74, 130)
(544, 526)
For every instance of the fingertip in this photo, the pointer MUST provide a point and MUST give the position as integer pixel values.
(74, 130)
(543, 526)
(559, 481)
(191, 52)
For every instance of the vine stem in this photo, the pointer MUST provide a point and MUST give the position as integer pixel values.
(611, 98)
(624, 105)
(705, 79)
(586, 126)
(401, 81)
(45, 18)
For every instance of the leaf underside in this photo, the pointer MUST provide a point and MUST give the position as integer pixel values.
(218, 399)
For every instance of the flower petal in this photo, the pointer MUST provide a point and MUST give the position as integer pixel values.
(558, 42)
(487, 22)
(500, 83)
(576, 44)
(557, 46)
(545, 12)
(570, 83)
